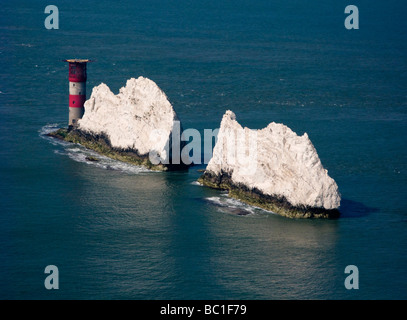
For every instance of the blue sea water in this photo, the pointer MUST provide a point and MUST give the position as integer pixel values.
(120, 232)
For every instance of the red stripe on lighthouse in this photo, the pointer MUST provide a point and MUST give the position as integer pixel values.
(77, 72)
(76, 101)
(77, 89)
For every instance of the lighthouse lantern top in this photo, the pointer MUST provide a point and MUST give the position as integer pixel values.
(77, 69)
(78, 60)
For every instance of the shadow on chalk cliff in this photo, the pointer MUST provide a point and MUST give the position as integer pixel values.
(355, 209)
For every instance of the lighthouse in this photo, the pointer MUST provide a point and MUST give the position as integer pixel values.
(77, 89)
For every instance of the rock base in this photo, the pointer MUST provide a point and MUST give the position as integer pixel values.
(101, 144)
(256, 198)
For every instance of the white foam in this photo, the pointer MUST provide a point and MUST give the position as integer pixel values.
(48, 128)
(28, 45)
(215, 200)
(80, 154)
(51, 128)
(235, 206)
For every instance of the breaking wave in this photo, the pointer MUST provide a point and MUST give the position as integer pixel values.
(50, 128)
(226, 204)
(79, 153)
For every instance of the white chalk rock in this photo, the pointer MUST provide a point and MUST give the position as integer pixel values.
(139, 117)
(276, 161)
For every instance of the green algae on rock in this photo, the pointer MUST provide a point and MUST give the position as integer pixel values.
(256, 198)
(101, 145)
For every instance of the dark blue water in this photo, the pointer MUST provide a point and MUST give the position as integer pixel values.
(126, 233)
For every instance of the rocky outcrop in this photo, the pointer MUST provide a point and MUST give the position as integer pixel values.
(136, 125)
(272, 168)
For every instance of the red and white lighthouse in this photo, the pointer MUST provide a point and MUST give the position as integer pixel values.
(77, 89)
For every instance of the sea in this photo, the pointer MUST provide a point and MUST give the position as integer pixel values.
(111, 230)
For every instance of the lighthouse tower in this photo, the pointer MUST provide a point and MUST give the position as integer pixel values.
(77, 89)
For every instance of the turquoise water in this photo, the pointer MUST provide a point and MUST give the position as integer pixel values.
(120, 232)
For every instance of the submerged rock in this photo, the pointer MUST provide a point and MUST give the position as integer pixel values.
(135, 126)
(92, 159)
(272, 168)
